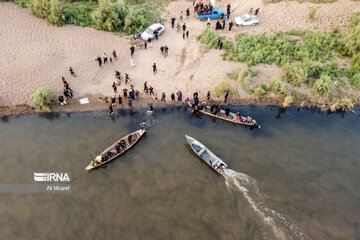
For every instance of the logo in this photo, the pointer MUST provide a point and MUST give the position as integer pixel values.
(51, 177)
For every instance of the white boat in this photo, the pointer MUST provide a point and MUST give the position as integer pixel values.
(206, 155)
(99, 160)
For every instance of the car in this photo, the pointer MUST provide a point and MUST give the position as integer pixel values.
(215, 13)
(246, 20)
(150, 31)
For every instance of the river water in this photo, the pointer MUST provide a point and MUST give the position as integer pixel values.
(295, 178)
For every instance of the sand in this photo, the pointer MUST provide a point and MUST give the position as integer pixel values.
(34, 54)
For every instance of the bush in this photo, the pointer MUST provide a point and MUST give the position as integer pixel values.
(312, 12)
(254, 72)
(49, 10)
(323, 86)
(80, 16)
(261, 91)
(243, 78)
(278, 87)
(22, 3)
(342, 104)
(355, 80)
(288, 101)
(42, 99)
(210, 39)
(137, 20)
(110, 16)
(221, 88)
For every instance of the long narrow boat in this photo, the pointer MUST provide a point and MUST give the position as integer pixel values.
(206, 155)
(99, 160)
(231, 118)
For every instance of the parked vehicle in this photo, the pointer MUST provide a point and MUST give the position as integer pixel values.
(215, 13)
(246, 20)
(150, 31)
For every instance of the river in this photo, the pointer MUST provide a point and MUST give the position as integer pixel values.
(295, 178)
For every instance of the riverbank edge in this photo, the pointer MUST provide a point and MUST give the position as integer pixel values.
(97, 103)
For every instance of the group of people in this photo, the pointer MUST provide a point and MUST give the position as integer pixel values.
(68, 93)
(164, 51)
(202, 8)
(130, 96)
(105, 58)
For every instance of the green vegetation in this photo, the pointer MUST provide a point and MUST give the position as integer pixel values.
(129, 16)
(262, 90)
(342, 104)
(288, 100)
(243, 78)
(254, 72)
(210, 39)
(221, 88)
(312, 12)
(278, 87)
(42, 99)
(323, 86)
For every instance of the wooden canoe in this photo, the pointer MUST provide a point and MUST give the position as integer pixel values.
(221, 115)
(206, 155)
(138, 133)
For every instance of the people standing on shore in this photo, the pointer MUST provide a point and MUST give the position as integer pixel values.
(221, 44)
(228, 10)
(72, 72)
(154, 69)
(113, 101)
(230, 25)
(179, 96)
(226, 96)
(130, 103)
(166, 51)
(114, 54)
(114, 87)
(145, 86)
(110, 59)
(187, 34)
(105, 57)
(223, 26)
(111, 111)
(117, 75)
(66, 94)
(173, 22)
(149, 42)
(155, 96)
(163, 96)
(99, 60)
(62, 101)
(257, 11)
(196, 95)
(120, 101)
(184, 27)
(132, 50)
(151, 90)
(208, 96)
(162, 50)
(151, 107)
(208, 23)
(173, 97)
(145, 44)
(183, 35)
(132, 62)
(125, 93)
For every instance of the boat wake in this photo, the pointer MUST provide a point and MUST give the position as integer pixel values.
(282, 227)
(150, 120)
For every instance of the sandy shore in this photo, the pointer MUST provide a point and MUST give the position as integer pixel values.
(34, 54)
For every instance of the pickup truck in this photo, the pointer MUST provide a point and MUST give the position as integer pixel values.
(214, 14)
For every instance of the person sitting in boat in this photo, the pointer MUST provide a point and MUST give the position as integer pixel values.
(134, 136)
(248, 119)
(130, 139)
(227, 111)
(238, 117)
(122, 143)
(143, 125)
(212, 107)
(216, 110)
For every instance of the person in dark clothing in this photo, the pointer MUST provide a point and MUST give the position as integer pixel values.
(114, 54)
(184, 27)
(208, 95)
(166, 51)
(125, 92)
(212, 107)
(154, 69)
(221, 45)
(72, 72)
(110, 59)
(227, 111)
(173, 97)
(99, 60)
(187, 34)
(130, 103)
(61, 100)
(223, 26)
(132, 95)
(113, 100)
(145, 45)
(163, 96)
(111, 111)
(257, 11)
(156, 35)
(226, 96)
(120, 101)
(151, 107)
(162, 50)
(230, 25)
(183, 35)
(218, 25)
(66, 94)
(196, 101)
(179, 96)
(117, 75)
(151, 89)
(187, 12)
(69, 90)
(132, 50)
(173, 22)
(145, 86)
(114, 87)
(196, 95)
(105, 57)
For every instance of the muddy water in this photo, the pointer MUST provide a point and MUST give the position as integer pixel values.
(295, 178)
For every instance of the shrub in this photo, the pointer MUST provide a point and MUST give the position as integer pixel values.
(312, 12)
(278, 87)
(288, 100)
(254, 72)
(323, 86)
(355, 80)
(295, 74)
(49, 10)
(110, 16)
(209, 38)
(22, 3)
(342, 104)
(137, 20)
(80, 16)
(42, 99)
(259, 91)
(221, 88)
(243, 78)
